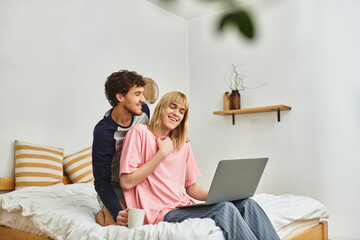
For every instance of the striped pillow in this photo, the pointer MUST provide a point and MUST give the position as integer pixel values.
(37, 165)
(79, 166)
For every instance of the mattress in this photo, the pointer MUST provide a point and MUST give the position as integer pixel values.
(68, 212)
(291, 214)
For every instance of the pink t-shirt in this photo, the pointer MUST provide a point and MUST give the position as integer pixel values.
(163, 189)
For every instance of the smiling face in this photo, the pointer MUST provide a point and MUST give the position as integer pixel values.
(172, 118)
(133, 100)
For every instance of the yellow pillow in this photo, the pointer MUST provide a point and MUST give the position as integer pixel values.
(37, 165)
(79, 166)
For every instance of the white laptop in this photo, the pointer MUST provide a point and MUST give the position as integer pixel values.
(234, 180)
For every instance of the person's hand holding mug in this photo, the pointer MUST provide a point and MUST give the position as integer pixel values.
(122, 217)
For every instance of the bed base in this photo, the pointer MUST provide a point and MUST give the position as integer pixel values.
(13, 234)
(318, 232)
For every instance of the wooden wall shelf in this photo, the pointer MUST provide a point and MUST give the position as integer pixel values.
(275, 108)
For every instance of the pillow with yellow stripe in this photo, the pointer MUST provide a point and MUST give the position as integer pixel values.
(79, 166)
(37, 165)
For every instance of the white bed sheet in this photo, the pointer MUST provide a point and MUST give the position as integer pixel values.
(72, 211)
(73, 208)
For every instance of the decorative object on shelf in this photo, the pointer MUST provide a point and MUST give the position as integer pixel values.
(236, 81)
(236, 84)
(226, 101)
(235, 102)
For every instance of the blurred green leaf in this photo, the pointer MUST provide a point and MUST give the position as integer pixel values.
(239, 19)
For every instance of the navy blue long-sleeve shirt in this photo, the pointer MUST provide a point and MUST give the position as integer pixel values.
(106, 152)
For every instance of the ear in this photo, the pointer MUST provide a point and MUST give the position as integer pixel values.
(119, 97)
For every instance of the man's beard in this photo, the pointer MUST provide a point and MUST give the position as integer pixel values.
(133, 111)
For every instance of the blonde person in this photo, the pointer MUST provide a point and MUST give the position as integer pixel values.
(157, 164)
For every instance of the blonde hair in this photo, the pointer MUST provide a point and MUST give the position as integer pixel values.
(178, 135)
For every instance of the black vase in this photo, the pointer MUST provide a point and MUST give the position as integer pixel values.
(235, 102)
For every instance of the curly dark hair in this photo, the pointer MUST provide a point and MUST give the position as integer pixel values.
(121, 82)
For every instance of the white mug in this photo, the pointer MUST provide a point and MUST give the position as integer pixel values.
(135, 217)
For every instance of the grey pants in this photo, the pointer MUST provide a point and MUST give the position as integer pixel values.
(239, 220)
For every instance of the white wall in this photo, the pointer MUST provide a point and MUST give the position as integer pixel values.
(56, 55)
(308, 53)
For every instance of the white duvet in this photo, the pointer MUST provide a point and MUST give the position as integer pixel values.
(68, 212)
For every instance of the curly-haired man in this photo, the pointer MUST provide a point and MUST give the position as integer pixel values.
(124, 91)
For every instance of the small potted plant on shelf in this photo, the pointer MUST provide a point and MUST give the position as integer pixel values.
(236, 84)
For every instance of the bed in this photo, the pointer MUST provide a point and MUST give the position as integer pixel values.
(67, 211)
(48, 205)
